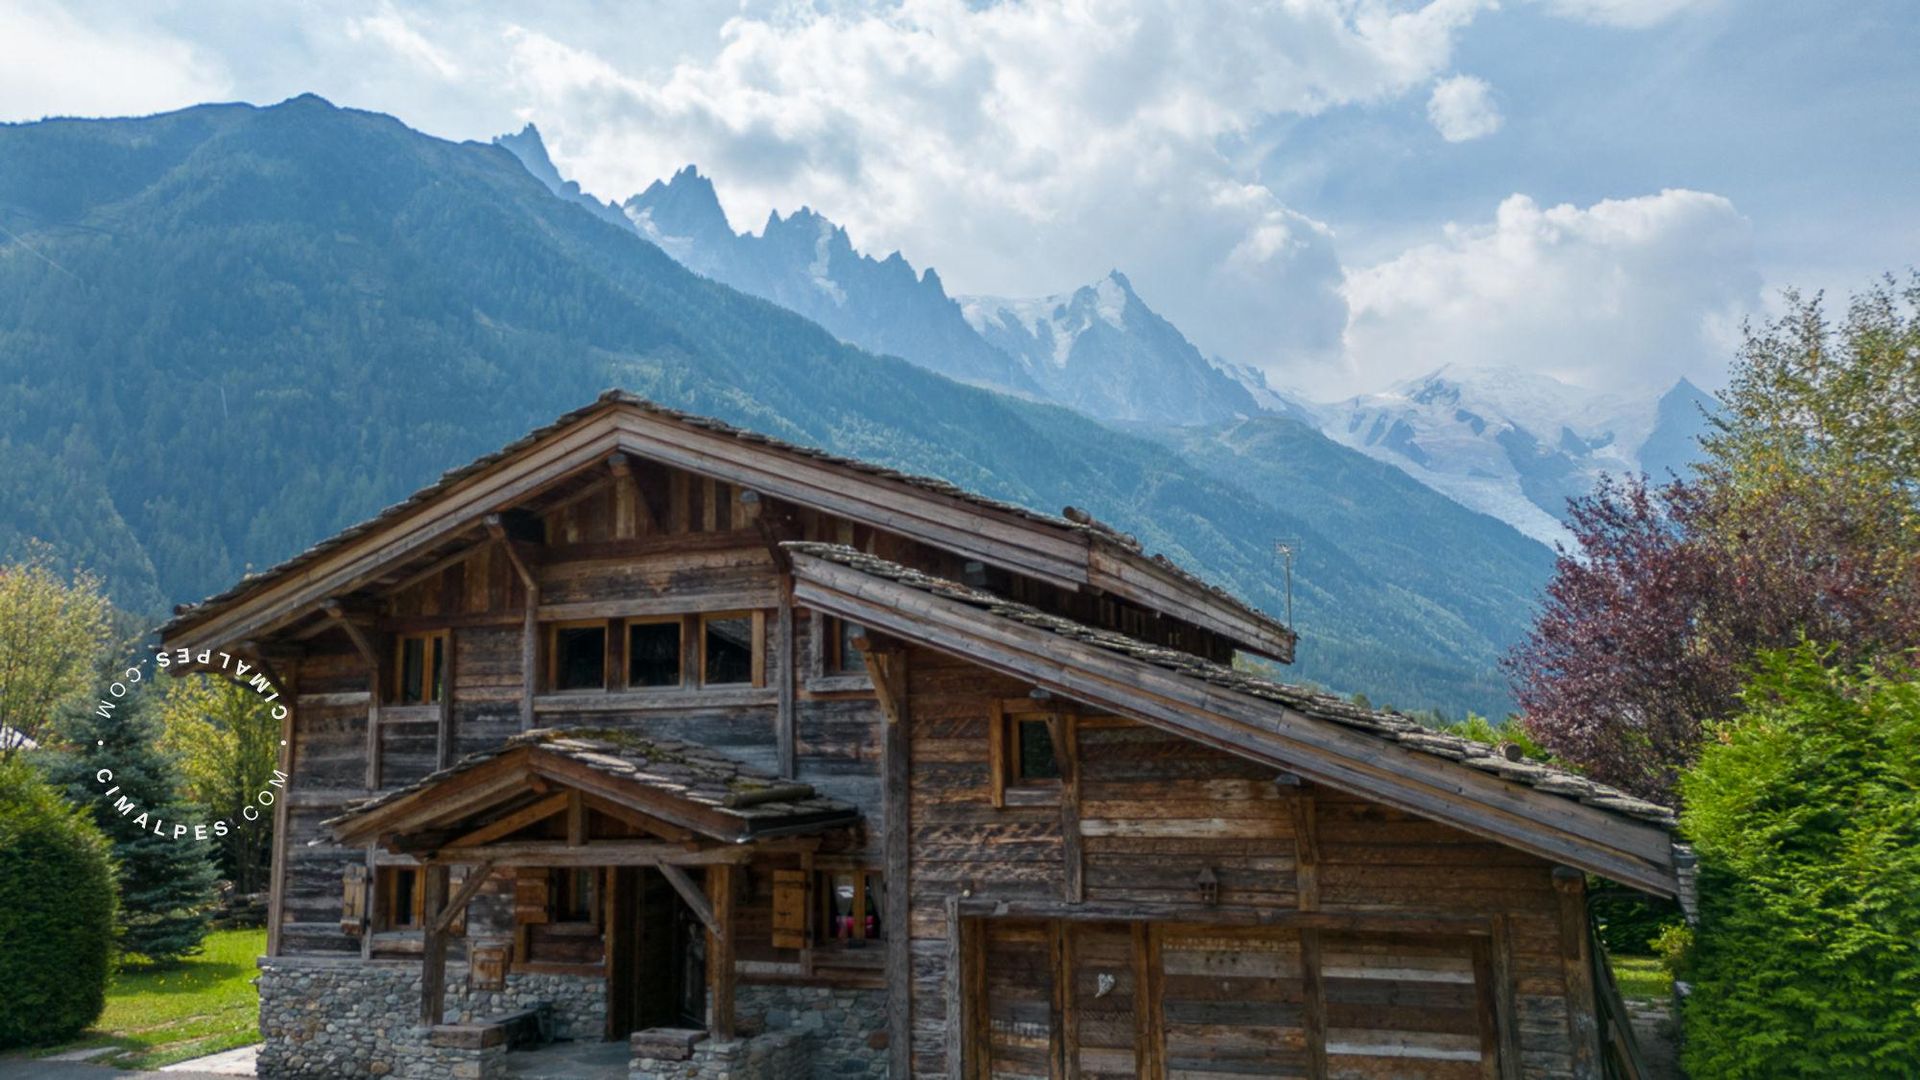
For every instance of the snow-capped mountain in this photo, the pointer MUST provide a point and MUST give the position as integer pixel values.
(807, 264)
(1517, 444)
(1100, 349)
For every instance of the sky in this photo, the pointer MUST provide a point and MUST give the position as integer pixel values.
(1345, 193)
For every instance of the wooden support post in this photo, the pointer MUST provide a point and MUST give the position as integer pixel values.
(888, 668)
(433, 969)
(1066, 1025)
(720, 972)
(364, 644)
(530, 628)
(476, 877)
(1147, 1029)
(576, 818)
(445, 737)
(1066, 744)
(1506, 1017)
(1576, 959)
(1315, 1007)
(784, 675)
(1306, 849)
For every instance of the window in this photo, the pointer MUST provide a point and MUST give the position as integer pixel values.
(419, 668)
(1033, 756)
(841, 655)
(571, 893)
(728, 649)
(653, 654)
(577, 656)
(398, 898)
(1028, 765)
(851, 902)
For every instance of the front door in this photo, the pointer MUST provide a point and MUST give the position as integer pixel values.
(652, 955)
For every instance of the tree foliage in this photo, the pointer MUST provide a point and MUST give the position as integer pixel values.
(53, 630)
(1803, 521)
(227, 743)
(166, 881)
(1805, 811)
(56, 912)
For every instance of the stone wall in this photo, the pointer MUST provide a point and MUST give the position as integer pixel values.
(690, 1055)
(326, 1020)
(847, 1028)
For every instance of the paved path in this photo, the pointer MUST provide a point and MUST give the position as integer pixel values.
(222, 1066)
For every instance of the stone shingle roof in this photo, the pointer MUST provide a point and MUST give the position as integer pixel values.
(1075, 520)
(758, 802)
(1385, 724)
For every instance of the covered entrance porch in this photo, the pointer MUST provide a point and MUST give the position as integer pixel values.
(591, 871)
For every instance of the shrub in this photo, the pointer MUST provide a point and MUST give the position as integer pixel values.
(56, 912)
(1805, 811)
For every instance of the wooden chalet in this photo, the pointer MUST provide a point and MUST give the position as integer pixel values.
(645, 724)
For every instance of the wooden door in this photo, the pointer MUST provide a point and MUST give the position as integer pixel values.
(1104, 1018)
(1021, 1010)
(640, 952)
(1231, 1001)
(1406, 1006)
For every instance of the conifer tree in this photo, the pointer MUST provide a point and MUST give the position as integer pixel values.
(166, 881)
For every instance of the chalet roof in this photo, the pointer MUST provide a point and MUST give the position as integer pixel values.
(744, 800)
(1385, 724)
(1071, 521)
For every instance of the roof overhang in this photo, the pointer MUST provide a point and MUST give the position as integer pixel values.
(1633, 852)
(1061, 553)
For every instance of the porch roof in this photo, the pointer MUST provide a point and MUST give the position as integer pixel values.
(682, 784)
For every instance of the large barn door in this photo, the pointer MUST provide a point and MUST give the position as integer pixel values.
(1022, 1011)
(1406, 1006)
(1231, 1002)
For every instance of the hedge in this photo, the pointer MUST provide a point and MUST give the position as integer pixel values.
(56, 912)
(1805, 812)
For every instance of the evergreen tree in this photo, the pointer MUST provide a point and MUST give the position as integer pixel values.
(166, 881)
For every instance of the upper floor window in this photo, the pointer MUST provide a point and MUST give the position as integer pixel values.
(1027, 762)
(851, 903)
(419, 668)
(840, 651)
(577, 656)
(398, 896)
(653, 652)
(730, 649)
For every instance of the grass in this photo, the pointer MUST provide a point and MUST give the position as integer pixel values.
(159, 1015)
(1641, 978)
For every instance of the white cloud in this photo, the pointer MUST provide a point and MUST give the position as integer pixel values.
(1022, 148)
(1627, 292)
(1462, 108)
(55, 64)
(1627, 14)
(391, 29)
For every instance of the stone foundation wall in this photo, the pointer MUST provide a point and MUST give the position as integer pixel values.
(776, 1055)
(326, 1020)
(847, 1028)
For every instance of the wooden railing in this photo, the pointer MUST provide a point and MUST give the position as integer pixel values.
(1620, 1057)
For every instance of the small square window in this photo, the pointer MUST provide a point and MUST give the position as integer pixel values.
(653, 654)
(572, 893)
(726, 649)
(419, 672)
(1034, 757)
(399, 898)
(851, 902)
(843, 655)
(578, 659)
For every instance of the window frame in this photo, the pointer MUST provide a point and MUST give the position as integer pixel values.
(1008, 787)
(552, 636)
(869, 880)
(756, 647)
(433, 646)
(627, 624)
(386, 890)
(561, 886)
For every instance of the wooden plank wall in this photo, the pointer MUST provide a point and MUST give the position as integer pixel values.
(1157, 811)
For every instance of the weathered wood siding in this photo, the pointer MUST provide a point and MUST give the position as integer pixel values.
(1376, 930)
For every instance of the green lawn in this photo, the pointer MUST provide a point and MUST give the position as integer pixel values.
(157, 1016)
(1641, 978)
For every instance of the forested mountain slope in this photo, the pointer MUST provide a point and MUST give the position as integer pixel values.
(229, 331)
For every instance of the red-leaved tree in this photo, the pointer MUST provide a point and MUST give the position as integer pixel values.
(1802, 522)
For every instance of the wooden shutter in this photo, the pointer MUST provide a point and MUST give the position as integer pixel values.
(530, 900)
(458, 927)
(488, 969)
(353, 899)
(789, 909)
